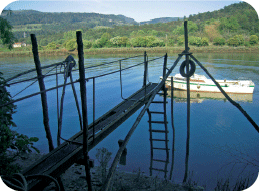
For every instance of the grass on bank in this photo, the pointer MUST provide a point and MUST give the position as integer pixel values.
(26, 51)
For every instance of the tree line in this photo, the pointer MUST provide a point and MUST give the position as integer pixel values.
(216, 28)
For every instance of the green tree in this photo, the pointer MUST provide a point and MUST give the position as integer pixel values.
(87, 44)
(51, 46)
(71, 45)
(192, 27)
(219, 41)
(11, 140)
(253, 39)
(180, 40)
(237, 40)
(105, 40)
(6, 34)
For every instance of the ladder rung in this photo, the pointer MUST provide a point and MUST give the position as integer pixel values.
(160, 148)
(158, 160)
(162, 170)
(159, 140)
(160, 122)
(159, 131)
(159, 102)
(157, 112)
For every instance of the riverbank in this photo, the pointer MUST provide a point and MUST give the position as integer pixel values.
(125, 50)
(74, 179)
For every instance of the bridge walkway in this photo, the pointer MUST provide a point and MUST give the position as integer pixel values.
(61, 158)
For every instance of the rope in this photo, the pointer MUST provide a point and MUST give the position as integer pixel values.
(69, 63)
(30, 84)
(31, 70)
(57, 64)
(61, 63)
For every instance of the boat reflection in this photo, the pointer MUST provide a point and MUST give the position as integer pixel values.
(198, 97)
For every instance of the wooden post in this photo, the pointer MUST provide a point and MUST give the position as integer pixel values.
(145, 69)
(173, 129)
(42, 88)
(164, 65)
(188, 103)
(83, 92)
(164, 106)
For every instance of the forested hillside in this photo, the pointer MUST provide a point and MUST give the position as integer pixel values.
(239, 17)
(234, 25)
(43, 23)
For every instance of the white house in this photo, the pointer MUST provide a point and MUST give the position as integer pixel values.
(19, 44)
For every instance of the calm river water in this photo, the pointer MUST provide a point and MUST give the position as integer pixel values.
(223, 143)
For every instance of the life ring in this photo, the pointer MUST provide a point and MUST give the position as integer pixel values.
(190, 72)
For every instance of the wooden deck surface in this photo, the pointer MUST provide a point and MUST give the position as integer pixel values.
(61, 158)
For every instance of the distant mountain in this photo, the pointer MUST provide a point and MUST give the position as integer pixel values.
(162, 20)
(24, 17)
(25, 22)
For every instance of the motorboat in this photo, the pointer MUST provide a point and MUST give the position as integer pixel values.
(199, 83)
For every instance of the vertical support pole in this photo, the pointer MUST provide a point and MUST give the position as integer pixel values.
(164, 107)
(164, 65)
(42, 88)
(145, 69)
(83, 92)
(188, 102)
(173, 129)
(94, 107)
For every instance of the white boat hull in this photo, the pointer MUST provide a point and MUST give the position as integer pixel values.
(199, 83)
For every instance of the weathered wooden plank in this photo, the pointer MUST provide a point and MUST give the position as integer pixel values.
(62, 157)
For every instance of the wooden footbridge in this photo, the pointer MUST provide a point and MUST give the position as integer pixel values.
(75, 150)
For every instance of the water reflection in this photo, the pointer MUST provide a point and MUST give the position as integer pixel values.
(198, 97)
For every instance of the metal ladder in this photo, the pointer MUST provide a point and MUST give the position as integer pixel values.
(156, 129)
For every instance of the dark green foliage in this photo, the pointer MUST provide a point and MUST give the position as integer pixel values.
(218, 41)
(238, 16)
(192, 28)
(217, 26)
(24, 17)
(6, 35)
(253, 39)
(11, 140)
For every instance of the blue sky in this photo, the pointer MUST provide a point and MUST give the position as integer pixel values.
(143, 10)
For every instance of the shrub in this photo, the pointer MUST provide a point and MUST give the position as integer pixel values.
(71, 45)
(103, 156)
(146, 41)
(87, 44)
(204, 41)
(51, 46)
(97, 44)
(237, 40)
(172, 40)
(219, 41)
(195, 41)
(180, 40)
(253, 39)
(198, 41)
(11, 140)
(119, 41)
